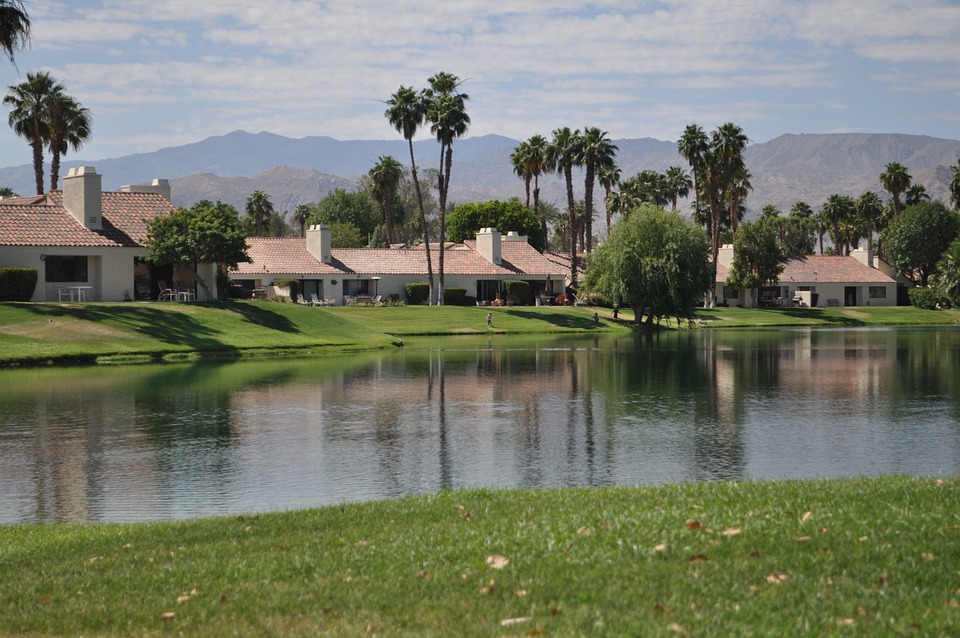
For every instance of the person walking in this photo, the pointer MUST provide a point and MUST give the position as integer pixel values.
(489, 319)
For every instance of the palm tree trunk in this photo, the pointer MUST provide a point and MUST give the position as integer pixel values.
(568, 175)
(37, 147)
(588, 206)
(423, 218)
(54, 170)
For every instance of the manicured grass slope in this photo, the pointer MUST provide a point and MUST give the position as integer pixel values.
(871, 556)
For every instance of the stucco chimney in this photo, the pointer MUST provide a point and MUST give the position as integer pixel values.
(725, 255)
(159, 186)
(863, 256)
(488, 244)
(82, 196)
(318, 242)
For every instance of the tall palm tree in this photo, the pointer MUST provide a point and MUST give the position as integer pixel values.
(869, 208)
(693, 145)
(728, 143)
(801, 209)
(839, 212)
(596, 152)
(385, 176)
(609, 178)
(14, 27)
(562, 157)
(406, 112)
(259, 207)
(447, 114)
(895, 180)
(915, 194)
(521, 168)
(69, 125)
(30, 105)
(678, 184)
(955, 185)
(301, 215)
(537, 153)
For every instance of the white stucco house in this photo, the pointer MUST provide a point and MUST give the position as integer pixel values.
(480, 266)
(813, 281)
(88, 240)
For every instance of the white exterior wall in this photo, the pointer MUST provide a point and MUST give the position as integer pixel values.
(109, 271)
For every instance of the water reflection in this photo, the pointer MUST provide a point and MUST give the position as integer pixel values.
(181, 441)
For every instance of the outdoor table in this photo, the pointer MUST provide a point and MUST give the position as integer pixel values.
(78, 293)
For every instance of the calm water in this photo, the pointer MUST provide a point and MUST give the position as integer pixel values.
(182, 441)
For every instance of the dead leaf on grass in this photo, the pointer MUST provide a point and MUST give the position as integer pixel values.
(662, 547)
(806, 517)
(776, 578)
(694, 525)
(584, 531)
(804, 539)
(167, 616)
(508, 622)
(731, 531)
(521, 593)
(677, 629)
(698, 558)
(926, 556)
(883, 580)
(496, 561)
(489, 587)
(846, 621)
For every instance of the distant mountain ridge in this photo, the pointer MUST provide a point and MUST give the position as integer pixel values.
(807, 167)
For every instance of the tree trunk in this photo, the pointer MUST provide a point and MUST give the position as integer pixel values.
(37, 147)
(588, 207)
(54, 170)
(423, 219)
(571, 209)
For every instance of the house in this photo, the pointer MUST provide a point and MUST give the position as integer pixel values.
(813, 281)
(89, 241)
(479, 265)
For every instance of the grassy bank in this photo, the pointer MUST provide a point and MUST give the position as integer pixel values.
(42, 333)
(872, 556)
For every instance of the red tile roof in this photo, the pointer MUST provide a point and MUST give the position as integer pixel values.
(289, 255)
(822, 269)
(43, 221)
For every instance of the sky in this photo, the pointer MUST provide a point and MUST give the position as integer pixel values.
(159, 73)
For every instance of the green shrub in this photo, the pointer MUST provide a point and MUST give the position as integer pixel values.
(518, 292)
(17, 284)
(455, 296)
(292, 284)
(417, 292)
(924, 298)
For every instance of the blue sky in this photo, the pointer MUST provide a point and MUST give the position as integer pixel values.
(159, 73)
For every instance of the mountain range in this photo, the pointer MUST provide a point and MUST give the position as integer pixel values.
(230, 167)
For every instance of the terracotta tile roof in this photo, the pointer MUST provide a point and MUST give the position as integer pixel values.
(822, 269)
(289, 255)
(43, 221)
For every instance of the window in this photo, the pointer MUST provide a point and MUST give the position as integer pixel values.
(61, 268)
(877, 292)
(730, 292)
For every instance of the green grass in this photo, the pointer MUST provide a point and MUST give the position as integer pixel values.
(869, 556)
(41, 333)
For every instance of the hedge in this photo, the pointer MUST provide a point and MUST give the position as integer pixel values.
(17, 284)
(518, 292)
(417, 293)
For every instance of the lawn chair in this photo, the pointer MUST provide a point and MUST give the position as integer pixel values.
(166, 293)
(314, 300)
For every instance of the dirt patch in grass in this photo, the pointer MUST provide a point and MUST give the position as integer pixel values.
(60, 329)
(856, 314)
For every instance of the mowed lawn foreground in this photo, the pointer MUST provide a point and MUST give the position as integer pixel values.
(44, 333)
(848, 557)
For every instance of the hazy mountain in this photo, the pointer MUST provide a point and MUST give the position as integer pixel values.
(297, 171)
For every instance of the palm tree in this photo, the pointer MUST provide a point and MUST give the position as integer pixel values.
(822, 224)
(769, 211)
(609, 178)
(915, 194)
(447, 114)
(301, 215)
(30, 106)
(406, 112)
(259, 207)
(521, 168)
(596, 152)
(839, 211)
(801, 209)
(385, 176)
(693, 145)
(562, 157)
(869, 209)
(955, 185)
(678, 184)
(728, 143)
(14, 27)
(537, 152)
(69, 125)
(895, 180)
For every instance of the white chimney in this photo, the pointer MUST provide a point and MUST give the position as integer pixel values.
(488, 244)
(159, 186)
(725, 255)
(82, 196)
(318, 242)
(863, 256)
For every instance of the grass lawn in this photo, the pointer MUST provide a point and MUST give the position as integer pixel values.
(868, 556)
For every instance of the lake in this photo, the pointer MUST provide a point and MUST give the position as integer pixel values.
(177, 441)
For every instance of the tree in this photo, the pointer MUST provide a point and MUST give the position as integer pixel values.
(758, 257)
(840, 215)
(562, 156)
(915, 194)
(655, 262)
(466, 220)
(6, 191)
(447, 114)
(14, 27)
(955, 185)
(406, 112)
(769, 211)
(30, 103)
(259, 207)
(646, 187)
(356, 208)
(69, 126)
(521, 168)
(385, 176)
(947, 277)
(208, 233)
(796, 235)
(609, 178)
(917, 238)
(596, 152)
(801, 209)
(301, 215)
(677, 183)
(869, 209)
(895, 180)
(693, 145)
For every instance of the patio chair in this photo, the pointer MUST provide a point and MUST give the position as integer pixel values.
(314, 300)
(166, 293)
(330, 301)
(62, 293)
(300, 300)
